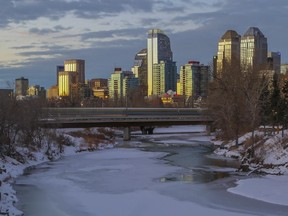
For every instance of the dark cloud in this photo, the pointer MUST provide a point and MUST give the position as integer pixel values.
(20, 11)
(133, 32)
(44, 31)
(195, 44)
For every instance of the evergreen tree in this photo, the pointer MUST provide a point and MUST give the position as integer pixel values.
(275, 101)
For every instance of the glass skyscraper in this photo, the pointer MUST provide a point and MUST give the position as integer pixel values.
(228, 50)
(159, 58)
(140, 68)
(77, 66)
(254, 48)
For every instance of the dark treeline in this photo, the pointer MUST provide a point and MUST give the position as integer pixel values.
(241, 99)
(19, 127)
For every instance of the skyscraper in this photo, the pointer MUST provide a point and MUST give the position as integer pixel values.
(59, 68)
(21, 86)
(120, 83)
(228, 50)
(164, 77)
(140, 68)
(77, 66)
(66, 83)
(254, 48)
(158, 50)
(274, 62)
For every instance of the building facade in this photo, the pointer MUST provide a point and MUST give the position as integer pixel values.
(254, 49)
(274, 62)
(194, 79)
(98, 83)
(158, 50)
(37, 90)
(228, 51)
(67, 83)
(77, 66)
(164, 77)
(21, 86)
(140, 69)
(120, 83)
(59, 68)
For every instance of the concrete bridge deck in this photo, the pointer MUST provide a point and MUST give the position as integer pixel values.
(146, 118)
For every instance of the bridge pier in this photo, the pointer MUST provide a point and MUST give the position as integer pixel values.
(147, 130)
(127, 134)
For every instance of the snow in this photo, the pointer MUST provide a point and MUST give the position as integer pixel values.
(10, 169)
(270, 188)
(272, 155)
(126, 187)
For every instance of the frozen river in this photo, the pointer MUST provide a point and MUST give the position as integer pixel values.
(177, 176)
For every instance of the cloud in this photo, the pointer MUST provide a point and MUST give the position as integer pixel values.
(44, 31)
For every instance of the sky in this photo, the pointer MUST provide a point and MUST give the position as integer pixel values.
(38, 35)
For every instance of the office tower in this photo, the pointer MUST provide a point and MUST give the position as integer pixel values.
(254, 49)
(158, 50)
(52, 92)
(98, 83)
(67, 83)
(164, 77)
(59, 68)
(194, 78)
(77, 66)
(228, 51)
(37, 91)
(121, 82)
(140, 69)
(274, 62)
(21, 86)
(99, 88)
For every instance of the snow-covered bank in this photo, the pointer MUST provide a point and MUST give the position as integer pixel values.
(11, 168)
(268, 155)
(272, 189)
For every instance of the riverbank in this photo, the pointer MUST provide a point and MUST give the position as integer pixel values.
(268, 156)
(265, 188)
(10, 168)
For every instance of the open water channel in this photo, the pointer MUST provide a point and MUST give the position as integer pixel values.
(139, 178)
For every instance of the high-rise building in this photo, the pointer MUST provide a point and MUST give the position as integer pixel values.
(194, 78)
(67, 83)
(37, 90)
(121, 82)
(228, 50)
(274, 62)
(77, 66)
(52, 92)
(21, 86)
(158, 49)
(140, 69)
(98, 83)
(99, 87)
(164, 77)
(59, 68)
(254, 49)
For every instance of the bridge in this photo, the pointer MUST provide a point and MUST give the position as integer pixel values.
(146, 118)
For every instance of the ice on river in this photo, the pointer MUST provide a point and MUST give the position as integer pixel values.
(109, 182)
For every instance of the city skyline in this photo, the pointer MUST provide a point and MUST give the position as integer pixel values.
(39, 35)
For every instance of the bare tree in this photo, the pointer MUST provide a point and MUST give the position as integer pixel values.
(234, 100)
